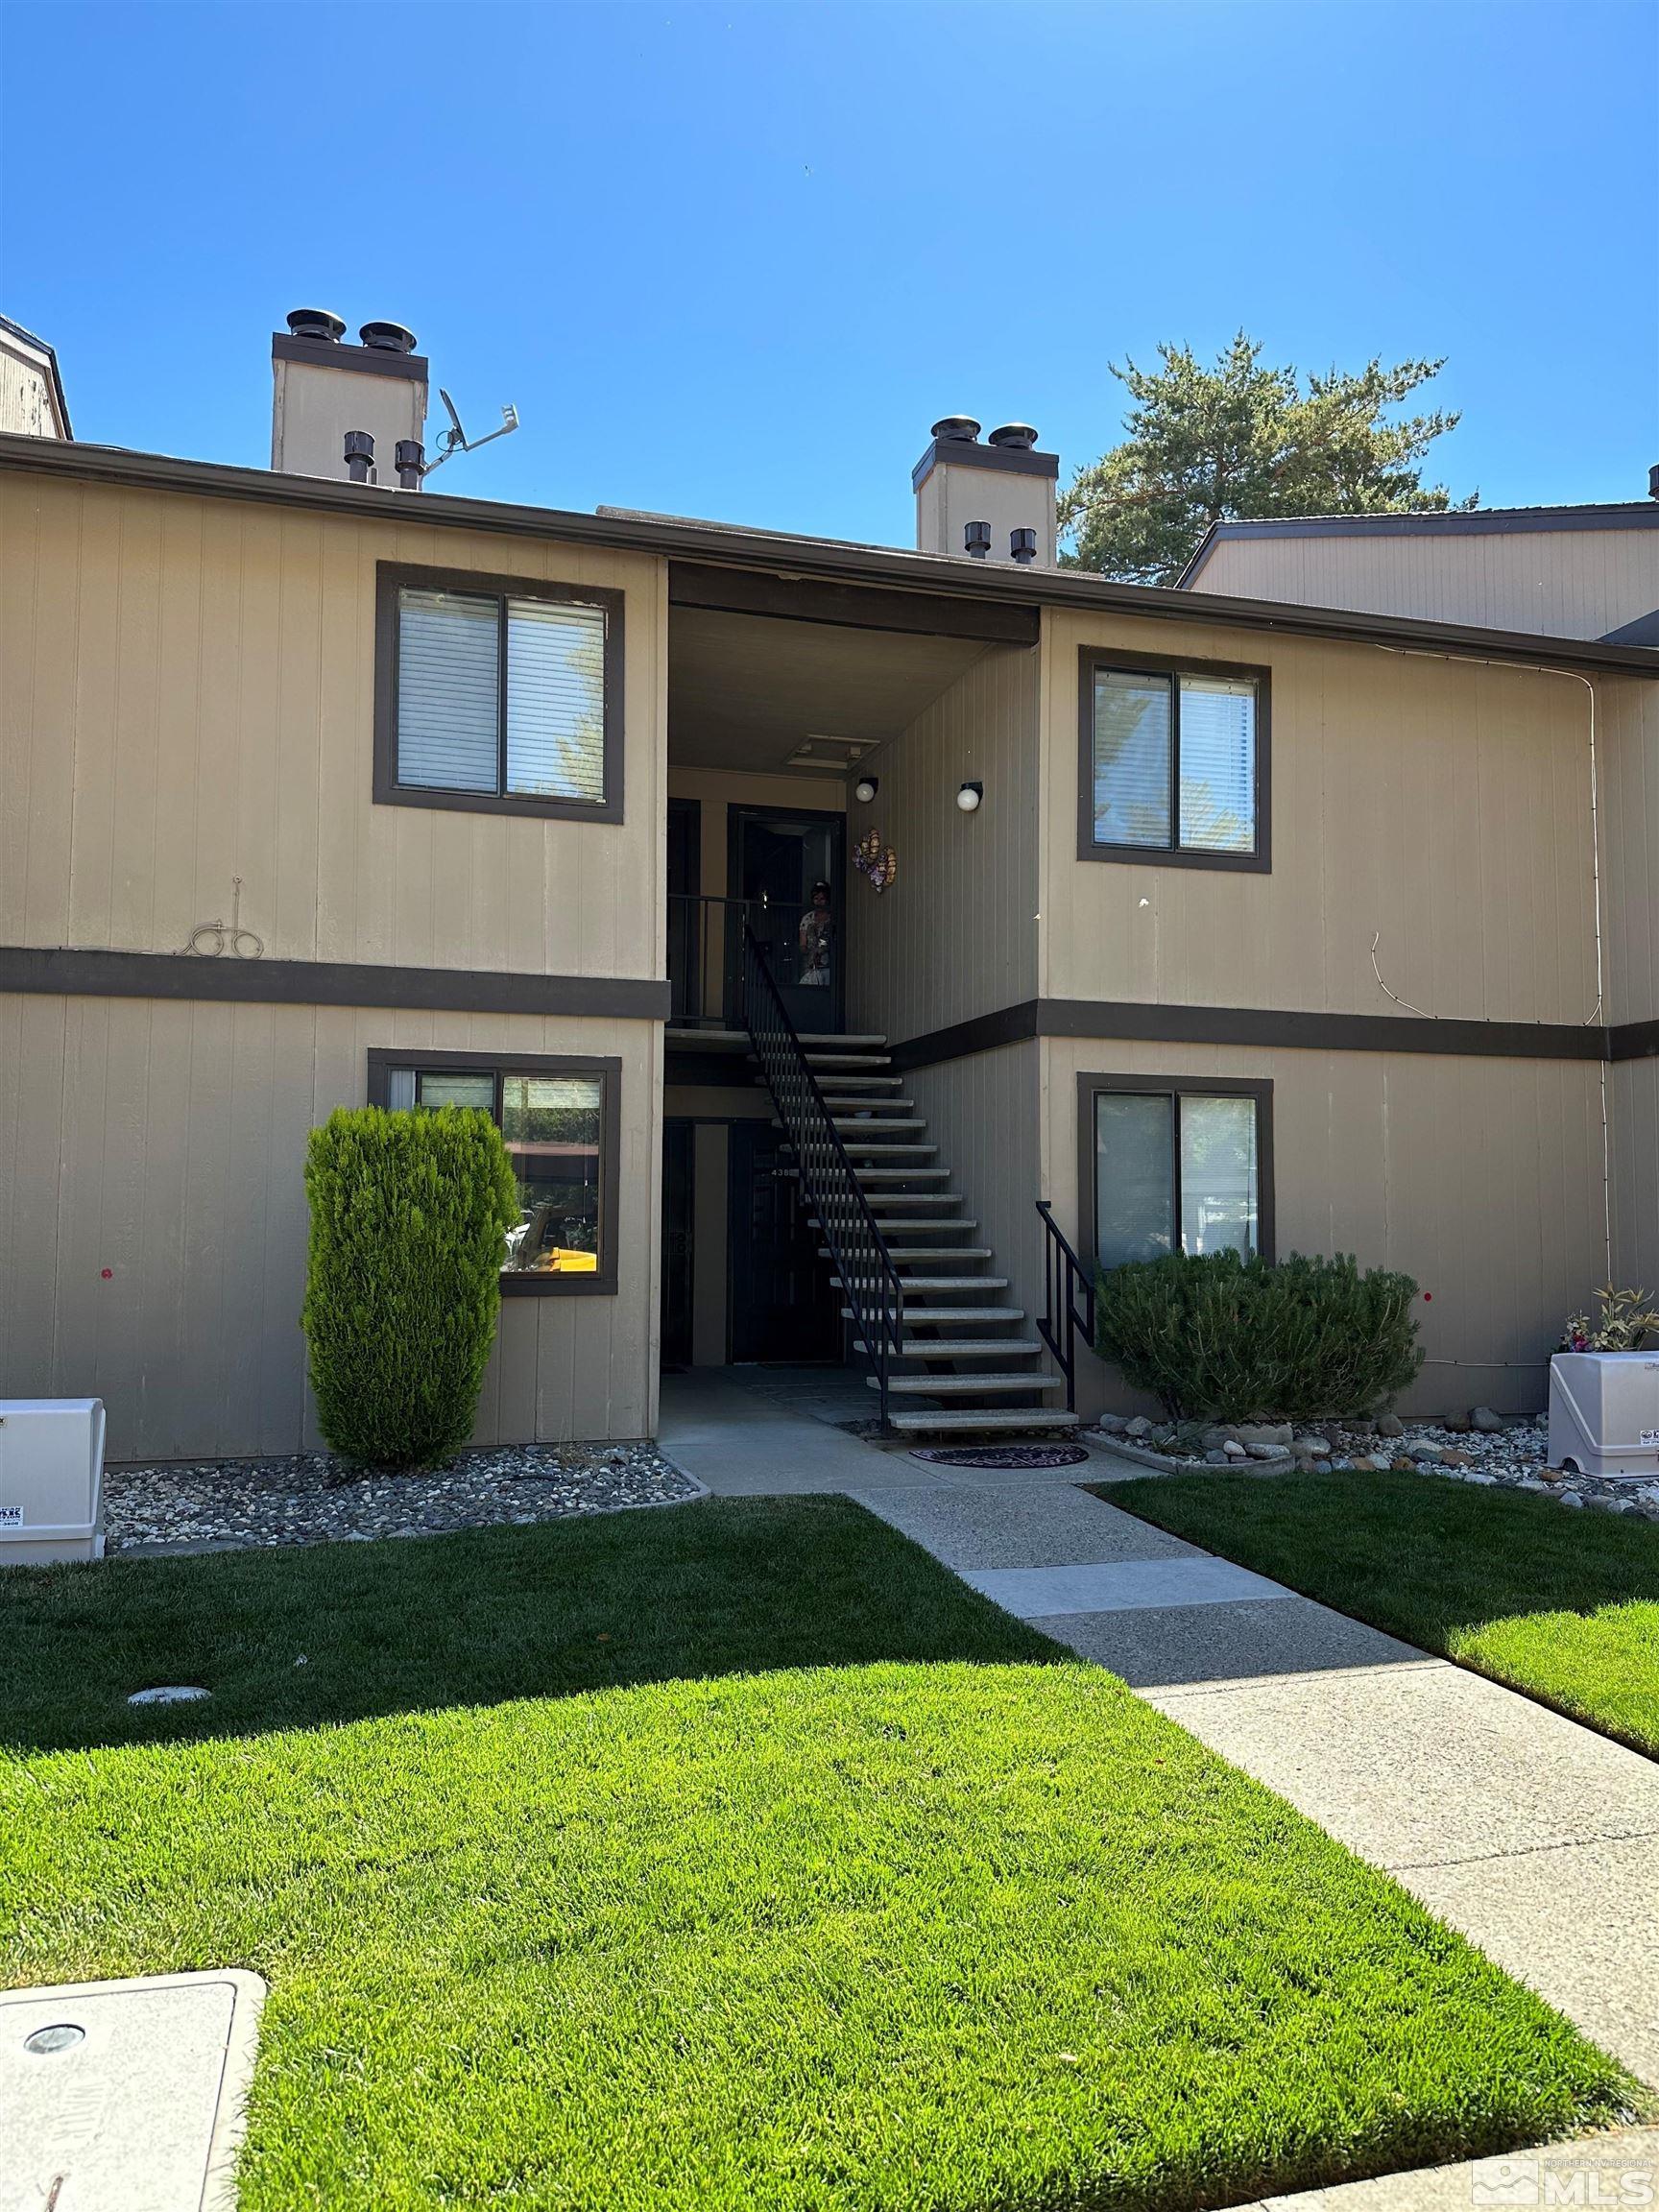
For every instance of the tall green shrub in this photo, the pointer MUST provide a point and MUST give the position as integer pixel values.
(1222, 1339)
(409, 1216)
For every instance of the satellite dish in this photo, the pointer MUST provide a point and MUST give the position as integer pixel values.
(455, 440)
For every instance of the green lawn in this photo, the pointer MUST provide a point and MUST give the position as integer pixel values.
(1562, 1606)
(730, 1857)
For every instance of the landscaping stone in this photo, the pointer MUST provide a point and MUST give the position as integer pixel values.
(1488, 1422)
(1113, 1424)
(1232, 1448)
(1276, 1434)
(313, 1498)
(1140, 1428)
(1390, 1425)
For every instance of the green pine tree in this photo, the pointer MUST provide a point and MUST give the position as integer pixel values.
(1208, 445)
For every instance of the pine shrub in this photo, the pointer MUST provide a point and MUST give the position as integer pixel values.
(409, 1216)
(1222, 1339)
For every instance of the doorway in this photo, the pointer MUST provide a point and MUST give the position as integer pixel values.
(785, 1304)
(679, 1196)
(778, 859)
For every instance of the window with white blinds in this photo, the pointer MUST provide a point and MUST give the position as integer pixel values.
(500, 695)
(1172, 762)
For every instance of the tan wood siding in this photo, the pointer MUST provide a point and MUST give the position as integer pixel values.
(1555, 583)
(1443, 804)
(982, 1111)
(954, 935)
(1482, 1178)
(188, 692)
(165, 1142)
(1628, 748)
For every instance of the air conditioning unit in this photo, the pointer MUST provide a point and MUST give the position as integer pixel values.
(51, 1480)
(1604, 1412)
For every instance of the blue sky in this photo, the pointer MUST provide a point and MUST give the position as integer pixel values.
(734, 259)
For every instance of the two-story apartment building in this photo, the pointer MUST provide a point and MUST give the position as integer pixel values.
(1206, 920)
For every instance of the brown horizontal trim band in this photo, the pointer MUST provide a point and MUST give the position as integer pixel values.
(958, 453)
(1474, 522)
(69, 972)
(366, 360)
(955, 576)
(849, 606)
(1634, 1040)
(1263, 1027)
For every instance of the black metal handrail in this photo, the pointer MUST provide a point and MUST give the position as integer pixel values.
(706, 957)
(1068, 1301)
(866, 1267)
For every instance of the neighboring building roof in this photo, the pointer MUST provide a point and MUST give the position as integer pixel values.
(1474, 522)
(50, 358)
(833, 561)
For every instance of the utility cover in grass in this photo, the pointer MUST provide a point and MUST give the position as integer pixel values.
(934, 1925)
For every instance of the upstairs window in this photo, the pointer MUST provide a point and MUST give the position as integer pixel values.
(494, 695)
(561, 1123)
(1173, 763)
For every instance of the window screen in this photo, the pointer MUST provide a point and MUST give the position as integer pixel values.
(1174, 1171)
(500, 696)
(1172, 761)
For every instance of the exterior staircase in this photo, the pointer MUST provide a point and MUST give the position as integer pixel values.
(965, 1359)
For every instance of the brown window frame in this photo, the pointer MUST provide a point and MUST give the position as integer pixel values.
(1091, 1087)
(527, 1284)
(1259, 862)
(391, 577)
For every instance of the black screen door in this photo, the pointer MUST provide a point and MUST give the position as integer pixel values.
(678, 1137)
(778, 860)
(784, 1305)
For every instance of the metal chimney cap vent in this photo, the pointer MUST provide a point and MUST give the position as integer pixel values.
(1653, 481)
(316, 323)
(1020, 436)
(955, 431)
(387, 337)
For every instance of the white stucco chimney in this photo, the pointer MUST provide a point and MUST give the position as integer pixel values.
(322, 388)
(995, 501)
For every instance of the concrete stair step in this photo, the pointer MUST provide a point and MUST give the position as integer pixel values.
(927, 1253)
(852, 1125)
(958, 1317)
(966, 1347)
(967, 1385)
(837, 1060)
(894, 1175)
(945, 1420)
(868, 1109)
(922, 1228)
(859, 1083)
(931, 1285)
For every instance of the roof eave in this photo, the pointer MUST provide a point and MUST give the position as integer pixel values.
(782, 554)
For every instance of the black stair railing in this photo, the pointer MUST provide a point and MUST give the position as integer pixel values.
(832, 1188)
(1068, 1301)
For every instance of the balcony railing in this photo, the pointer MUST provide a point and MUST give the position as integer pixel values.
(706, 958)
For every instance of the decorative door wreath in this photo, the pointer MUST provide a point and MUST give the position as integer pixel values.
(869, 857)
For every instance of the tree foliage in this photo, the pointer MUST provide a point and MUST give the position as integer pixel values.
(1238, 439)
(409, 1220)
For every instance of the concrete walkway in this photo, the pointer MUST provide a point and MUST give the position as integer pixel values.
(1538, 1839)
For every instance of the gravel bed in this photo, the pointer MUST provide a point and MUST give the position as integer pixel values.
(313, 1498)
(1482, 1448)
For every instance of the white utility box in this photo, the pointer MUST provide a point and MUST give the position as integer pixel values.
(51, 1480)
(1604, 1412)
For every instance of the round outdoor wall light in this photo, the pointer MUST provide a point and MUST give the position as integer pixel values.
(968, 798)
(866, 789)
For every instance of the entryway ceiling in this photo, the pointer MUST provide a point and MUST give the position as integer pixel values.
(745, 689)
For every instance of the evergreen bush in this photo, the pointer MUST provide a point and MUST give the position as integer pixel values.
(409, 1216)
(1222, 1339)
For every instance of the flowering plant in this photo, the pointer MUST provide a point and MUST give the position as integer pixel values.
(1624, 1318)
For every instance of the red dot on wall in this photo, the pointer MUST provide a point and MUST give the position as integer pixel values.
(1428, 1297)
(107, 1273)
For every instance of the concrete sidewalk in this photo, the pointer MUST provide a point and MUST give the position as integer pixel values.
(1538, 1839)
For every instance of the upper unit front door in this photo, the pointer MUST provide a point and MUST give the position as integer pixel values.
(789, 866)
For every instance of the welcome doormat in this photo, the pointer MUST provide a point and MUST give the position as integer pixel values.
(1013, 1455)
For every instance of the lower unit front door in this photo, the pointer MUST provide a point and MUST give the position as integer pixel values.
(784, 1306)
